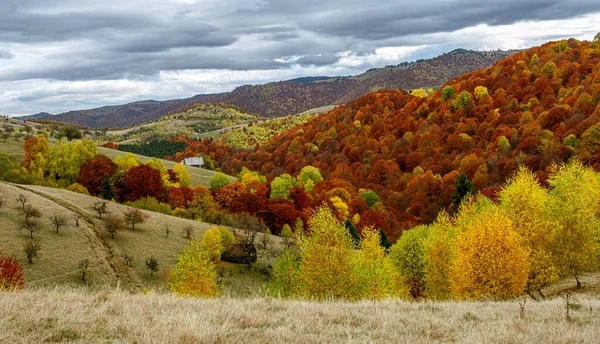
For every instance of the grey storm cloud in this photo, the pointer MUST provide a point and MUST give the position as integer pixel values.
(88, 40)
(130, 38)
(6, 54)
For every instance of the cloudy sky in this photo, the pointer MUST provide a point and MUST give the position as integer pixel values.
(60, 55)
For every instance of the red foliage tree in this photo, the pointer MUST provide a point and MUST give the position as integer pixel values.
(175, 198)
(94, 172)
(279, 212)
(11, 273)
(248, 203)
(144, 181)
(228, 193)
(300, 198)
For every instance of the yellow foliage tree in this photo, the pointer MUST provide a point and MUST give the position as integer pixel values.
(437, 255)
(525, 202)
(182, 173)
(65, 159)
(407, 256)
(340, 206)
(377, 277)
(195, 273)
(574, 195)
(212, 244)
(488, 259)
(326, 269)
(127, 161)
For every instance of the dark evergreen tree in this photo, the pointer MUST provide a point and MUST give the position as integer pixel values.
(353, 232)
(464, 187)
(385, 241)
(107, 191)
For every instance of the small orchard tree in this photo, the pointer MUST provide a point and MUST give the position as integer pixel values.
(76, 217)
(32, 249)
(112, 224)
(11, 273)
(2, 201)
(83, 267)
(100, 207)
(58, 221)
(133, 216)
(22, 199)
(188, 231)
(152, 265)
(128, 259)
(167, 230)
(30, 221)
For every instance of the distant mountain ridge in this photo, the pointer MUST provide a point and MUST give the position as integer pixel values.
(277, 99)
(41, 115)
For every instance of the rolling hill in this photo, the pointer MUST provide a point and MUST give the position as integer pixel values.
(283, 98)
(192, 121)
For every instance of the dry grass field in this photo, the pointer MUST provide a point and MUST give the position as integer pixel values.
(113, 316)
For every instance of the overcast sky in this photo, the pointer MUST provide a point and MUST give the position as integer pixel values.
(60, 55)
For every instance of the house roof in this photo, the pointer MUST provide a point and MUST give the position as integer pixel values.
(193, 161)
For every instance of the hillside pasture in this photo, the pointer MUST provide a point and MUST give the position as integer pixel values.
(61, 252)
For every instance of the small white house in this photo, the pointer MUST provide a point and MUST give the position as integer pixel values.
(194, 162)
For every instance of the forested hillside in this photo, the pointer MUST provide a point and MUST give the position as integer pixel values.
(537, 108)
(424, 73)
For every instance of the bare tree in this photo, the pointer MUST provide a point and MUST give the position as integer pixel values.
(2, 202)
(23, 200)
(152, 265)
(128, 259)
(188, 231)
(32, 249)
(30, 219)
(250, 226)
(100, 208)
(77, 217)
(133, 216)
(58, 221)
(83, 267)
(112, 224)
